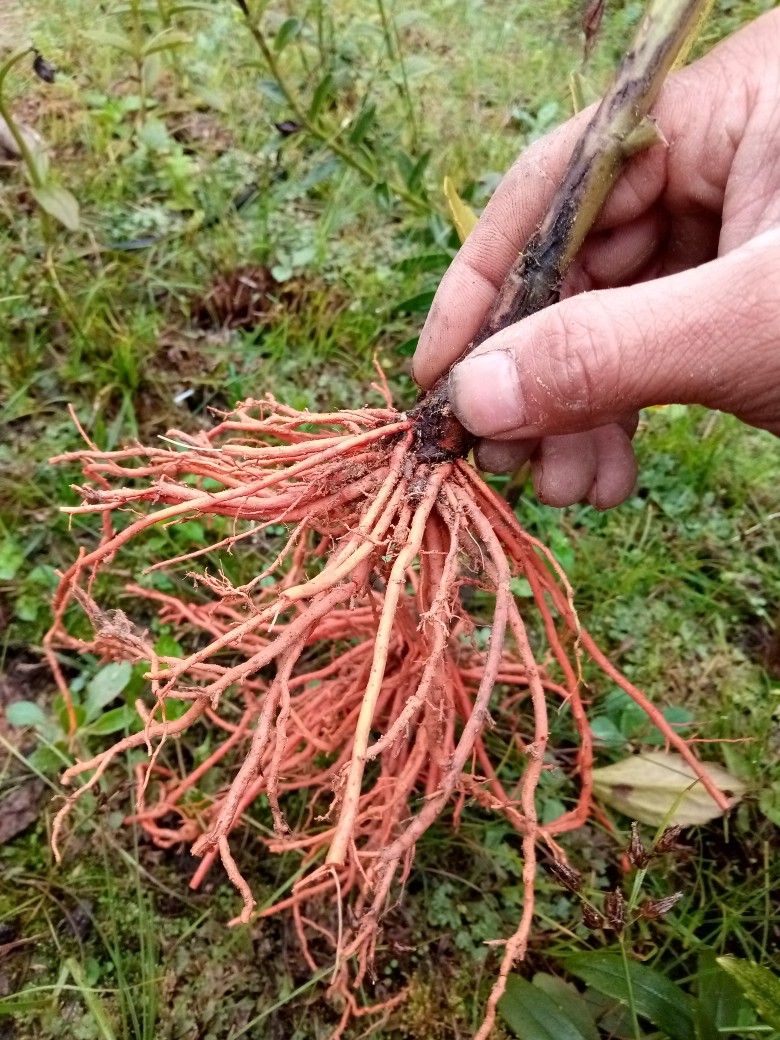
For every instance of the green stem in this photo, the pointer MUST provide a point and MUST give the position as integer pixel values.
(636, 889)
(395, 53)
(629, 989)
(596, 163)
(5, 112)
(606, 144)
(91, 999)
(138, 58)
(316, 130)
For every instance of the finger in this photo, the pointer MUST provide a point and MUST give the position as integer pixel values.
(616, 257)
(469, 287)
(627, 422)
(616, 468)
(686, 113)
(564, 468)
(504, 456)
(694, 241)
(706, 336)
(564, 465)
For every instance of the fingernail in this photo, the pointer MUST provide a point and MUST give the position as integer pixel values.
(485, 393)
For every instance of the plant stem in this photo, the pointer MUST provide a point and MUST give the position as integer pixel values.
(5, 112)
(28, 158)
(598, 159)
(319, 132)
(629, 988)
(395, 53)
(138, 58)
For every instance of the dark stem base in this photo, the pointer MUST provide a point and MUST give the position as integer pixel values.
(438, 436)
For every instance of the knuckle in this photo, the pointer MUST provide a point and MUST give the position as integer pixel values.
(577, 356)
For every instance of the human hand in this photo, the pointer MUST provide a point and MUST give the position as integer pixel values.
(675, 296)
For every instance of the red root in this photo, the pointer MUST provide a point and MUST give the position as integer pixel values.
(349, 668)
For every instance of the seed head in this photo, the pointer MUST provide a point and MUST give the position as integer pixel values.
(591, 918)
(668, 840)
(638, 855)
(652, 909)
(615, 909)
(565, 875)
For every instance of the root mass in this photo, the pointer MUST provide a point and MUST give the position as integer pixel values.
(353, 668)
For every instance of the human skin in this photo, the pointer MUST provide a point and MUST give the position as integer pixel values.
(675, 296)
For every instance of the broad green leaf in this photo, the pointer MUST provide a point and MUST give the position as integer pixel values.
(11, 558)
(438, 262)
(105, 687)
(463, 217)
(614, 1019)
(606, 732)
(166, 40)
(660, 787)
(405, 163)
(759, 984)
(415, 176)
(532, 1014)
(415, 304)
(323, 91)
(521, 587)
(547, 114)
(61, 711)
(320, 173)
(113, 721)
(412, 170)
(408, 347)
(154, 135)
(288, 30)
(173, 709)
(272, 91)
(362, 124)
(569, 1002)
(40, 158)
(167, 646)
(720, 1005)
(25, 713)
(58, 203)
(282, 272)
(654, 996)
(47, 760)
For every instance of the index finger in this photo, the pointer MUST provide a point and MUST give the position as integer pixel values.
(684, 113)
(510, 218)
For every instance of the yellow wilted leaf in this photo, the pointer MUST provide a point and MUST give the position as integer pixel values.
(582, 91)
(463, 216)
(658, 788)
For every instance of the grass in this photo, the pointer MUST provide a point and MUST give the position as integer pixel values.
(681, 584)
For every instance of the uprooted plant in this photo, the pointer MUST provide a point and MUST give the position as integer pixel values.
(352, 668)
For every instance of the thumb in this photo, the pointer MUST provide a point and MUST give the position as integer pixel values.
(708, 336)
